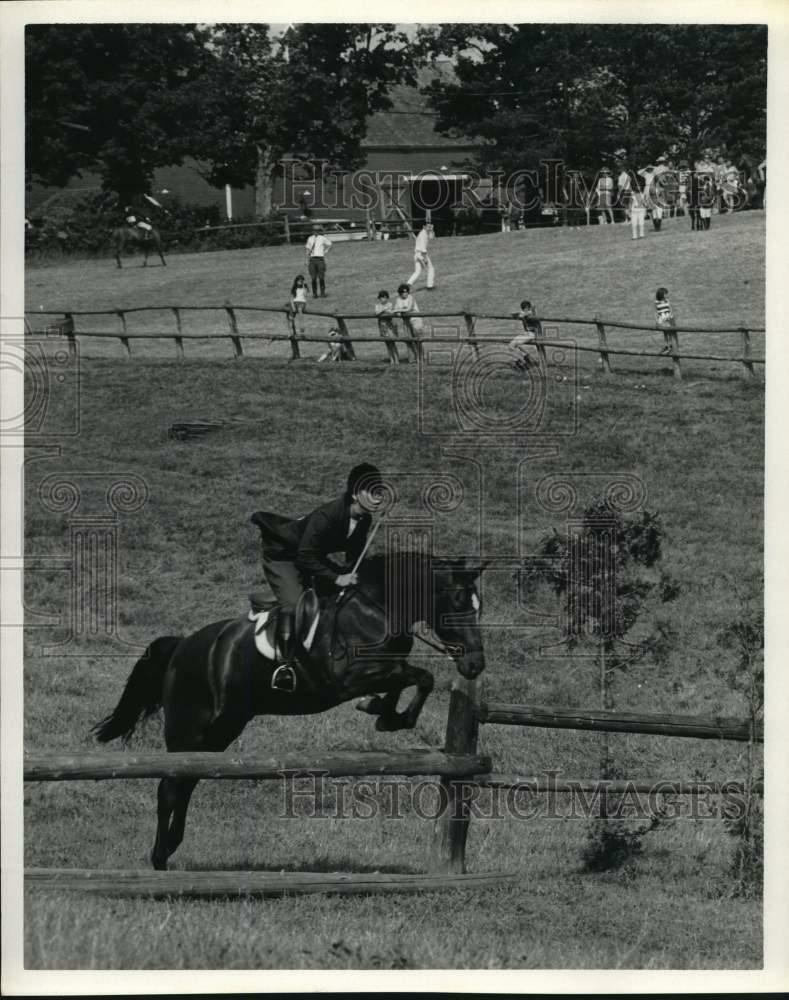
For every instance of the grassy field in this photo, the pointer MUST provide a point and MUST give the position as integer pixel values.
(189, 556)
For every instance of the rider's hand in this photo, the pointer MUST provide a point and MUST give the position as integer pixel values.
(346, 580)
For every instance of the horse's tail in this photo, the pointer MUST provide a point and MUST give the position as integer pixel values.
(142, 694)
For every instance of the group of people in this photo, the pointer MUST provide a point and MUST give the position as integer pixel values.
(522, 360)
(661, 191)
(389, 313)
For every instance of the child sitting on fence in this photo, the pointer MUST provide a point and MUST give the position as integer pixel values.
(664, 316)
(532, 328)
(337, 349)
(298, 301)
(405, 306)
(386, 327)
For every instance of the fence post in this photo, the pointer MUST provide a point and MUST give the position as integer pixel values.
(286, 220)
(674, 338)
(470, 324)
(344, 333)
(290, 319)
(238, 350)
(602, 344)
(71, 334)
(124, 339)
(179, 340)
(746, 351)
(451, 827)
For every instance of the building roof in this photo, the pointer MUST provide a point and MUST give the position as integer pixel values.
(410, 121)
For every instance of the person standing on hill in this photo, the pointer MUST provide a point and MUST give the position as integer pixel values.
(421, 258)
(638, 208)
(317, 248)
(605, 197)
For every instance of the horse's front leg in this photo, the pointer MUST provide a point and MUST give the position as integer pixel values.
(389, 719)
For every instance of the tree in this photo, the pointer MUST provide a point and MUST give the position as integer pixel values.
(305, 95)
(606, 570)
(105, 98)
(591, 94)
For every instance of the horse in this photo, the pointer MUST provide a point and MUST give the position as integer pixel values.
(213, 682)
(145, 238)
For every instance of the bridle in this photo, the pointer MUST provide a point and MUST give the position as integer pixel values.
(447, 648)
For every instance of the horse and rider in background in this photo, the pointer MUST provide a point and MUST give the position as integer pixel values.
(138, 230)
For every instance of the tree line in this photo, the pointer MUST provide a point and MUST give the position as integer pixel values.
(122, 100)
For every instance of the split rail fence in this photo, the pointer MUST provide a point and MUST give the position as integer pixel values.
(65, 324)
(468, 711)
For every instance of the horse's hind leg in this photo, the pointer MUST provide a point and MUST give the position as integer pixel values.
(175, 793)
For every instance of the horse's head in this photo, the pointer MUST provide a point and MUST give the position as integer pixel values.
(457, 612)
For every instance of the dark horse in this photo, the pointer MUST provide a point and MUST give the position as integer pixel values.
(124, 235)
(212, 682)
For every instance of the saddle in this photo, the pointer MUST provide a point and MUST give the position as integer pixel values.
(272, 642)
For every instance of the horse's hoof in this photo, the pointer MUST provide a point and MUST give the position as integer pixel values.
(390, 723)
(159, 864)
(372, 705)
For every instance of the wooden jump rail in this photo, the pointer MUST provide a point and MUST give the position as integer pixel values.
(103, 766)
(468, 711)
(65, 325)
(224, 884)
(697, 726)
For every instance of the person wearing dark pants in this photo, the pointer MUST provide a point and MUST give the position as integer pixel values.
(317, 248)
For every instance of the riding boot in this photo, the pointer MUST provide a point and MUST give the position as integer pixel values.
(284, 677)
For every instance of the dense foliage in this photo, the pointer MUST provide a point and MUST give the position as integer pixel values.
(589, 94)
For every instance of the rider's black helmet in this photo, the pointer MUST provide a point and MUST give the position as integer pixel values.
(365, 477)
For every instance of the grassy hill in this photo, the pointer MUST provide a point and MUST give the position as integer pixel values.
(189, 556)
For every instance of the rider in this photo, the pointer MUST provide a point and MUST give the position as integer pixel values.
(300, 555)
(134, 219)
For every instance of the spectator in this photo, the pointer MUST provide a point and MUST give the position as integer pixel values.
(623, 184)
(694, 196)
(605, 197)
(337, 350)
(298, 301)
(664, 317)
(405, 306)
(421, 258)
(638, 208)
(317, 248)
(386, 327)
(532, 328)
(707, 196)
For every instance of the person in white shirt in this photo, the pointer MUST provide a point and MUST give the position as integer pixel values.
(638, 208)
(317, 248)
(605, 197)
(298, 300)
(421, 258)
(404, 308)
(623, 185)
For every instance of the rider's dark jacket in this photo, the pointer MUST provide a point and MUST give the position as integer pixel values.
(309, 541)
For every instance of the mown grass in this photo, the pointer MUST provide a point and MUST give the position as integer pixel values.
(189, 556)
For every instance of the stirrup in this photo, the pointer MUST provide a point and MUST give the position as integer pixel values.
(284, 679)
